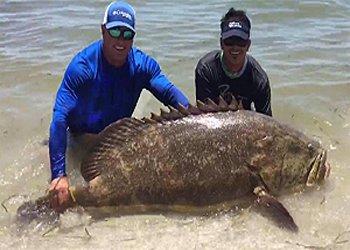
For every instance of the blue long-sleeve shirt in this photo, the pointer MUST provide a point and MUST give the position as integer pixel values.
(94, 93)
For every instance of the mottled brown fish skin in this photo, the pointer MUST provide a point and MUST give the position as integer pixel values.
(199, 159)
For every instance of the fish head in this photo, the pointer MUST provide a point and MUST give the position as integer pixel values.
(289, 161)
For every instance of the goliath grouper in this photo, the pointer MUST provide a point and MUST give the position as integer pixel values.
(199, 156)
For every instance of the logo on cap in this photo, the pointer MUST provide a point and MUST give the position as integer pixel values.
(240, 28)
(235, 25)
(122, 13)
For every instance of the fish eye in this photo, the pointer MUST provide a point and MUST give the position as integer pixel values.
(310, 146)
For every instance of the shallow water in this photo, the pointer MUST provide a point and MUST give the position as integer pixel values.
(304, 47)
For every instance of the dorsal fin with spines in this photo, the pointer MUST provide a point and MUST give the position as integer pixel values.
(240, 105)
(170, 116)
(174, 114)
(194, 110)
(148, 120)
(212, 105)
(233, 105)
(223, 104)
(183, 110)
(156, 117)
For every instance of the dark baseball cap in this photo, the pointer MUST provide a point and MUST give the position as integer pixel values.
(238, 28)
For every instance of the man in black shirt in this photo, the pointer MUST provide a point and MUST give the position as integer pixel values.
(231, 70)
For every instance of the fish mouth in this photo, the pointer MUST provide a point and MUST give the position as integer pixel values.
(319, 170)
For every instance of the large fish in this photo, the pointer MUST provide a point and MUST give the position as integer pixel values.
(197, 156)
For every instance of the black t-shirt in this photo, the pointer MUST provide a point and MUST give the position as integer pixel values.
(252, 86)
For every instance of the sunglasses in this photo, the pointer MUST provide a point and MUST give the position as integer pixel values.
(118, 32)
(235, 41)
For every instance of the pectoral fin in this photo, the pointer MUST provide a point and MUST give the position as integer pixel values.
(272, 208)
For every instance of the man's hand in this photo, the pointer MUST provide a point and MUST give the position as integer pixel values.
(59, 187)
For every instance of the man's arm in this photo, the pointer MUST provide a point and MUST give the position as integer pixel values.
(203, 85)
(66, 100)
(162, 88)
(262, 101)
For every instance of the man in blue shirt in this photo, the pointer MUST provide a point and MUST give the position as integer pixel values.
(101, 85)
